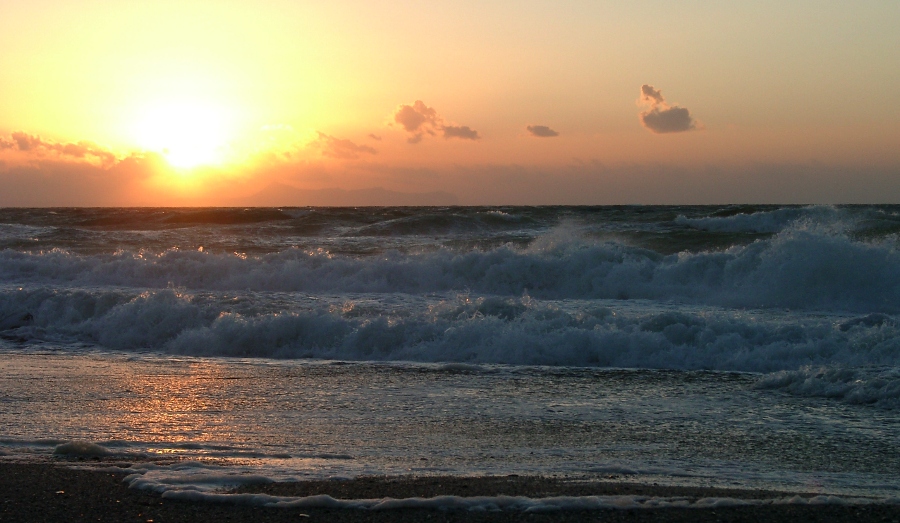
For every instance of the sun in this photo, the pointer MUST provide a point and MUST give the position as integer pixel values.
(187, 133)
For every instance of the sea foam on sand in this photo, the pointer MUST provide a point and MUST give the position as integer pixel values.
(81, 449)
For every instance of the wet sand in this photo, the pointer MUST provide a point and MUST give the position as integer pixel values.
(48, 492)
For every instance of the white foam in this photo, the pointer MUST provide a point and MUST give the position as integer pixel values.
(81, 449)
(507, 503)
(860, 385)
(199, 481)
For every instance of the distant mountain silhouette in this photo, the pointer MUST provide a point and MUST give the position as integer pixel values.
(280, 195)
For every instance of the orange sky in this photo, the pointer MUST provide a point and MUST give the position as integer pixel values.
(526, 102)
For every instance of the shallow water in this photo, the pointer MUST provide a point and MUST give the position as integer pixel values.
(287, 419)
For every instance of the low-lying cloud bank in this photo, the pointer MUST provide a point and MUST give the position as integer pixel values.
(341, 148)
(27, 143)
(146, 180)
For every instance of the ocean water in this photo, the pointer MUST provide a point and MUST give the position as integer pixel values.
(735, 346)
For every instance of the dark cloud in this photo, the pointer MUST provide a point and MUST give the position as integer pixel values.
(26, 142)
(374, 136)
(671, 120)
(342, 149)
(36, 145)
(541, 131)
(661, 117)
(462, 132)
(651, 96)
(418, 119)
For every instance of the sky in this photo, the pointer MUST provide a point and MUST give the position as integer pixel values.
(525, 102)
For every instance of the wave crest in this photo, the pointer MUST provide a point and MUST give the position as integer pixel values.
(862, 385)
(462, 329)
(797, 268)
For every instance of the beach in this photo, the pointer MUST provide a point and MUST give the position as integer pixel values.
(52, 492)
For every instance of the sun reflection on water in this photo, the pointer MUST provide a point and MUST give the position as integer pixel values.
(189, 406)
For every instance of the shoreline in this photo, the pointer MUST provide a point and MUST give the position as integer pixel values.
(33, 492)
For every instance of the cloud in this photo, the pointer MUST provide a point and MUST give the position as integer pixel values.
(463, 132)
(26, 142)
(342, 149)
(418, 120)
(671, 120)
(374, 137)
(651, 96)
(661, 117)
(55, 181)
(541, 131)
(34, 144)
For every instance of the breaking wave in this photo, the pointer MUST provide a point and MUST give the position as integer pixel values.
(798, 268)
(463, 329)
(879, 386)
(771, 221)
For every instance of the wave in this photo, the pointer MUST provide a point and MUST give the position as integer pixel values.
(448, 222)
(226, 216)
(862, 222)
(860, 385)
(766, 221)
(462, 329)
(15, 232)
(799, 268)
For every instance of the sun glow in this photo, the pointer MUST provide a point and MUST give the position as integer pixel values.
(187, 134)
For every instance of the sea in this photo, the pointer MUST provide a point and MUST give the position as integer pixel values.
(742, 346)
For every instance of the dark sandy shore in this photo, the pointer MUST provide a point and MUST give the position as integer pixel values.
(48, 493)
